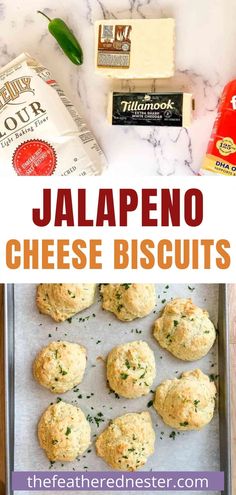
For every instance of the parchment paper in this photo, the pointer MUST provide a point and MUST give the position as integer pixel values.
(100, 331)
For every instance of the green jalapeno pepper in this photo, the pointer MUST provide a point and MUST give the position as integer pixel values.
(65, 38)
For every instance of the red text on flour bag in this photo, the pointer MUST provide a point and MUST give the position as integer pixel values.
(221, 152)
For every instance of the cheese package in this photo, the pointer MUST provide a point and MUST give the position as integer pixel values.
(41, 133)
(148, 108)
(135, 48)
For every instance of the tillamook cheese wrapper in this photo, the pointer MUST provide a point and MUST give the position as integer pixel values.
(41, 132)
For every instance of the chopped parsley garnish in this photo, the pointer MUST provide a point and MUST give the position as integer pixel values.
(150, 403)
(127, 364)
(98, 419)
(173, 435)
(213, 377)
(69, 319)
(63, 372)
(143, 375)
(126, 286)
(176, 323)
(124, 376)
(68, 431)
(185, 423)
(191, 288)
(119, 307)
(196, 402)
(71, 294)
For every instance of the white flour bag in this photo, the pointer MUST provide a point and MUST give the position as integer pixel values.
(41, 132)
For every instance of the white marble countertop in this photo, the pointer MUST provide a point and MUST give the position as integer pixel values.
(205, 61)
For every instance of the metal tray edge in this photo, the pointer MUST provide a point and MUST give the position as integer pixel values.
(9, 381)
(224, 385)
(224, 388)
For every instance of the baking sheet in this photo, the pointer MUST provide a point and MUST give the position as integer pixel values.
(99, 331)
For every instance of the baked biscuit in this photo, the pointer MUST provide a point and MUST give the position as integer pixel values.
(127, 442)
(62, 301)
(188, 402)
(60, 366)
(185, 330)
(128, 301)
(63, 432)
(131, 369)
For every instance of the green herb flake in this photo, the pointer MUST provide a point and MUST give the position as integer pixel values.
(176, 323)
(213, 377)
(127, 364)
(68, 431)
(150, 403)
(98, 420)
(172, 435)
(124, 376)
(63, 372)
(185, 423)
(143, 375)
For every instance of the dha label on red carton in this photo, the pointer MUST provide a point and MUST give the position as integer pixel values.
(221, 152)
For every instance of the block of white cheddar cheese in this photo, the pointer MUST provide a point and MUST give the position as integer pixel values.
(148, 108)
(135, 48)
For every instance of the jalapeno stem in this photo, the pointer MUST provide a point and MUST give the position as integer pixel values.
(45, 15)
